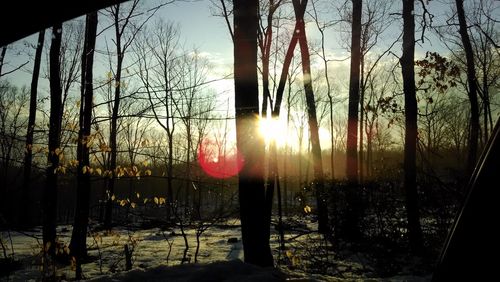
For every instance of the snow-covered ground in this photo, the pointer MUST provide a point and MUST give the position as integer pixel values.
(158, 255)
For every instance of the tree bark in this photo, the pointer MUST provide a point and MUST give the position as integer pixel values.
(50, 189)
(78, 245)
(254, 227)
(410, 149)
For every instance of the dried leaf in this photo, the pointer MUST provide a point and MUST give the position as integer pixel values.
(307, 209)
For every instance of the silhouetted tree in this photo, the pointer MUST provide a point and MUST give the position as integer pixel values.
(329, 91)
(410, 147)
(319, 181)
(50, 189)
(352, 124)
(351, 227)
(122, 43)
(78, 245)
(25, 218)
(472, 83)
(158, 60)
(254, 227)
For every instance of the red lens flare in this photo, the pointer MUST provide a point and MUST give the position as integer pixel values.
(215, 163)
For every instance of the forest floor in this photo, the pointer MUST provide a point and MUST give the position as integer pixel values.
(157, 255)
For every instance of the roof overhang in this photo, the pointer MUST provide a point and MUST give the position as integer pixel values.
(29, 17)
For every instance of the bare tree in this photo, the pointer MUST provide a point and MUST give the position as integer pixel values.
(28, 155)
(13, 101)
(352, 125)
(254, 226)
(484, 38)
(351, 223)
(160, 49)
(329, 89)
(472, 83)
(379, 86)
(50, 189)
(375, 22)
(410, 149)
(78, 245)
(193, 76)
(124, 37)
(299, 8)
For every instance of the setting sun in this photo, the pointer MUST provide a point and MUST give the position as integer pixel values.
(273, 129)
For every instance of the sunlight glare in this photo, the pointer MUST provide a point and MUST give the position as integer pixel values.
(273, 129)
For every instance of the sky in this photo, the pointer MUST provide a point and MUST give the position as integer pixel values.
(210, 36)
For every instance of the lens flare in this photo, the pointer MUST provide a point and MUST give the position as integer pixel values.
(215, 163)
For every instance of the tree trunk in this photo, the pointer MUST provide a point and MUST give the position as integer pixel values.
(50, 189)
(114, 122)
(273, 155)
(318, 181)
(78, 245)
(351, 222)
(352, 125)
(332, 138)
(25, 218)
(2, 58)
(472, 82)
(187, 192)
(170, 173)
(255, 229)
(486, 102)
(362, 90)
(410, 149)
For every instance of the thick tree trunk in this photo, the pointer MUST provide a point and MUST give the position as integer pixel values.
(255, 228)
(352, 125)
(351, 222)
(50, 189)
(472, 83)
(78, 245)
(410, 150)
(25, 218)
